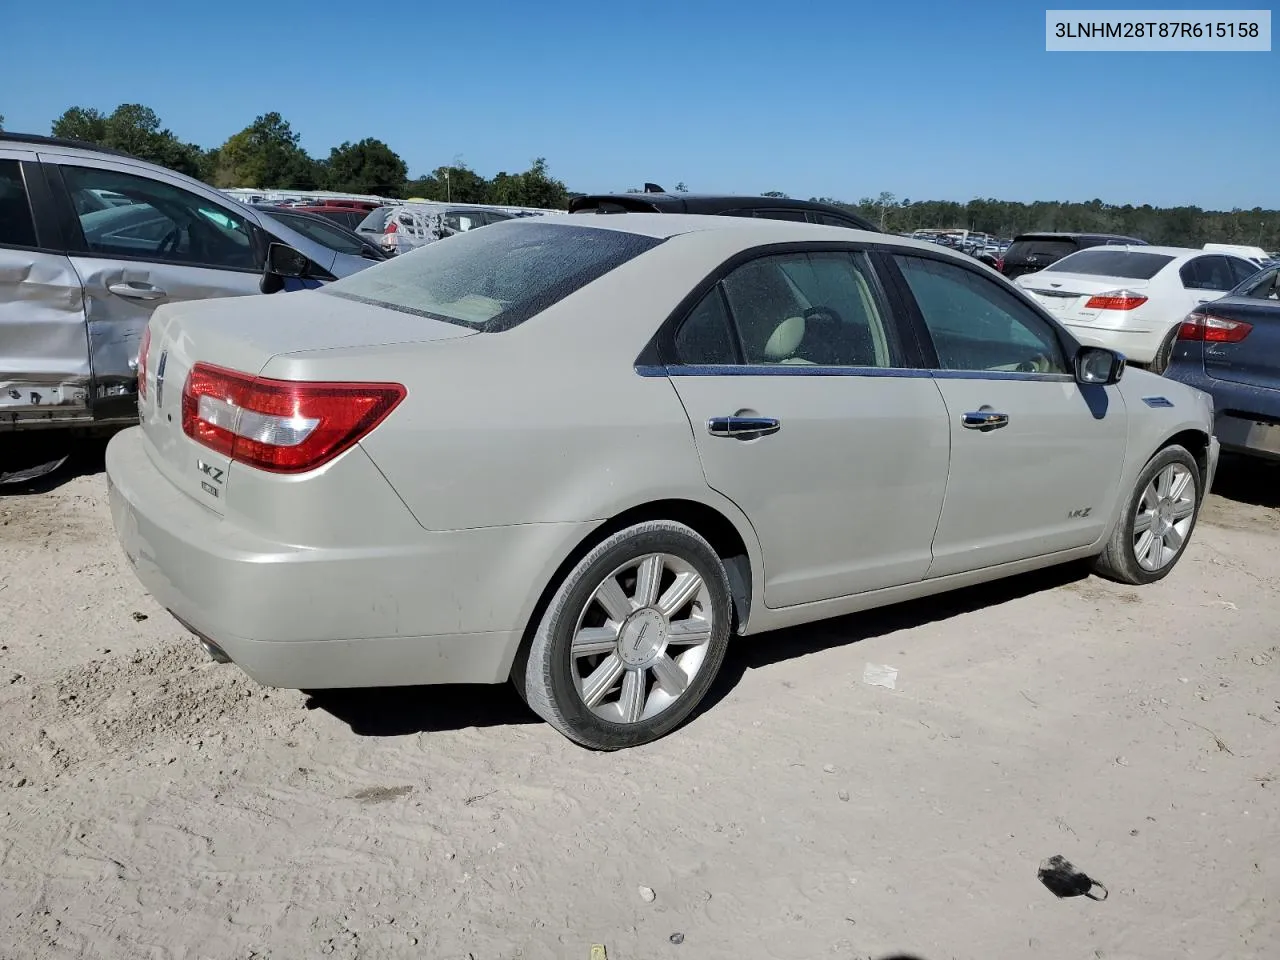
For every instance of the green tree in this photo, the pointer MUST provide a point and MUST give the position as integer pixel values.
(266, 154)
(134, 129)
(457, 184)
(776, 194)
(369, 166)
(81, 123)
(533, 188)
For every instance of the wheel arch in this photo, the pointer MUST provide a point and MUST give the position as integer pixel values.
(735, 546)
(1196, 443)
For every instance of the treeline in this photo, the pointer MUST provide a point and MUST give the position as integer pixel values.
(1171, 226)
(267, 154)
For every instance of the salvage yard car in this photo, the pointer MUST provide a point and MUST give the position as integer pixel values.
(1230, 348)
(93, 240)
(583, 452)
(1131, 299)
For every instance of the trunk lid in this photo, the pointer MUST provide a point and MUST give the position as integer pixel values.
(1255, 360)
(244, 334)
(1065, 294)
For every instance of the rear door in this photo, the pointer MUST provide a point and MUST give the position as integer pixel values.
(167, 244)
(810, 413)
(1035, 458)
(44, 354)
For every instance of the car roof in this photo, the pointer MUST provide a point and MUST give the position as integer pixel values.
(1075, 235)
(707, 202)
(750, 231)
(1148, 248)
(60, 145)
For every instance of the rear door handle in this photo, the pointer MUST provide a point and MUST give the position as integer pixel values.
(985, 420)
(743, 428)
(137, 291)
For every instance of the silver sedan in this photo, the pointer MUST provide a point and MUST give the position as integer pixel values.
(582, 453)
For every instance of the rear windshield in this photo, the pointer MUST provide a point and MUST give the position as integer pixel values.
(496, 278)
(1111, 262)
(376, 220)
(1047, 249)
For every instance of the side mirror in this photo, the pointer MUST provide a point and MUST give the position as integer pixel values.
(1098, 366)
(284, 261)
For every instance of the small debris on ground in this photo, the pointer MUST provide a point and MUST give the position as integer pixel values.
(138, 616)
(880, 675)
(647, 894)
(677, 938)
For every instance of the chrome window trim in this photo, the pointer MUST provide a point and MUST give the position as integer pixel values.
(814, 370)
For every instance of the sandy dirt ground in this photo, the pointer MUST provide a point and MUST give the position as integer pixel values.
(156, 805)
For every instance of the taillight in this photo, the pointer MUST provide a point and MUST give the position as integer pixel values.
(1210, 329)
(1116, 300)
(390, 227)
(1000, 264)
(282, 426)
(143, 349)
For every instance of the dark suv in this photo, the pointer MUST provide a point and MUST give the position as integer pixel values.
(657, 200)
(1030, 252)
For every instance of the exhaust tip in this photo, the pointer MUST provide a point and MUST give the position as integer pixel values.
(215, 652)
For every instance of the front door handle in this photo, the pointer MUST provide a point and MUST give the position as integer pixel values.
(743, 428)
(137, 291)
(985, 420)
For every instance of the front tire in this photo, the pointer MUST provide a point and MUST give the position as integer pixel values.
(632, 639)
(1158, 518)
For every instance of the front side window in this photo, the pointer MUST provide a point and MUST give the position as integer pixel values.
(122, 215)
(817, 308)
(493, 279)
(976, 324)
(17, 229)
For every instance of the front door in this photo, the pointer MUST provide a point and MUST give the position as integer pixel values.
(143, 241)
(794, 380)
(1035, 457)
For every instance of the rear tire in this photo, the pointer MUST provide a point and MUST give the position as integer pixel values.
(1159, 516)
(1160, 362)
(632, 638)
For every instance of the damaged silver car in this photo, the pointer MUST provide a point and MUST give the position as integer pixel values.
(91, 242)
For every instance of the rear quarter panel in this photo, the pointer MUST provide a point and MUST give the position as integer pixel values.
(548, 422)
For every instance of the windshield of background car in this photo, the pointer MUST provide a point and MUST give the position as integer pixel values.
(1110, 262)
(496, 278)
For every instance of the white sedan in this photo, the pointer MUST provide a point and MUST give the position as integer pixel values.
(584, 452)
(1131, 299)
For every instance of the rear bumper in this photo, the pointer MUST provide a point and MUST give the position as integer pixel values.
(448, 609)
(1246, 417)
(1139, 347)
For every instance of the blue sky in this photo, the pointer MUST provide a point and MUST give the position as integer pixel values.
(944, 100)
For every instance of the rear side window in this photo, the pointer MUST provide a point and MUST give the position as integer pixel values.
(376, 221)
(704, 337)
(1207, 273)
(493, 279)
(1110, 262)
(320, 232)
(17, 229)
(1241, 270)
